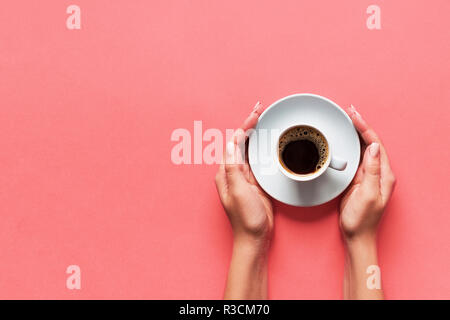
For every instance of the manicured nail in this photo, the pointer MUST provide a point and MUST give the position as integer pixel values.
(256, 106)
(353, 110)
(374, 149)
(230, 148)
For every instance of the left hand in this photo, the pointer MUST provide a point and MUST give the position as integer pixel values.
(248, 207)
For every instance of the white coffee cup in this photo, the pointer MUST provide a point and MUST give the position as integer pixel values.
(331, 160)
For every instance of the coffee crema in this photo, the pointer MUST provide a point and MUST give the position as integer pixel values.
(302, 150)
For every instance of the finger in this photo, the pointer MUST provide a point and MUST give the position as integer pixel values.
(252, 119)
(240, 136)
(360, 171)
(221, 182)
(372, 170)
(387, 187)
(247, 170)
(358, 176)
(248, 124)
(388, 182)
(235, 154)
(239, 139)
(233, 171)
(366, 132)
(369, 136)
(252, 179)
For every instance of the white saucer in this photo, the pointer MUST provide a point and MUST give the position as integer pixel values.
(318, 112)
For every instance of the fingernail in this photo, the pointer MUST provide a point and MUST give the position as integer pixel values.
(256, 106)
(230, 148)
(374, 149)
(353, 110)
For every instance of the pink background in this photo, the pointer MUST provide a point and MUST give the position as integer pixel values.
(86, 118)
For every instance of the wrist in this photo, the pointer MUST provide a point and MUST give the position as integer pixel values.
(361, 239)
(247, 275)
(362, 245)
(251, 246)
(360, 260)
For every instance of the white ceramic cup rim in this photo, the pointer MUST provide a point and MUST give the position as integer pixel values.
(296, 176)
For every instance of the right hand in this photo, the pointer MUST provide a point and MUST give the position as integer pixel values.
(365, 200)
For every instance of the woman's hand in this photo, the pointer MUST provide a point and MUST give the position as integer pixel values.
(360, 212)
(250, 213)
(248, 207)
(363, 204)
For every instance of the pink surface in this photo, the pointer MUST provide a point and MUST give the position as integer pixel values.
(86, 117)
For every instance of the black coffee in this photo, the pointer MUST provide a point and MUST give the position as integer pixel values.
(301, 156)
(303, 150)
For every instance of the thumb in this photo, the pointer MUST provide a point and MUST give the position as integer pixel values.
(233, 166)
(371, 166)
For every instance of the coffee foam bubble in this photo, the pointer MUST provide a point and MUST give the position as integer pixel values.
(306, 133)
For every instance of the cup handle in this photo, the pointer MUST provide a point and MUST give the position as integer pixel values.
(338, 164)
